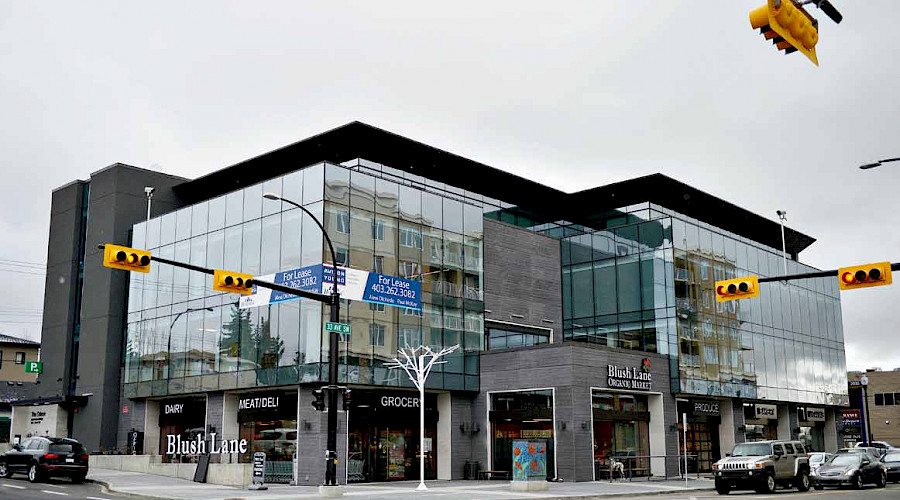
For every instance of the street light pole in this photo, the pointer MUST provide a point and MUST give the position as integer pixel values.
(335, 316)
(868, 435)
(782, 215)
(172, 325)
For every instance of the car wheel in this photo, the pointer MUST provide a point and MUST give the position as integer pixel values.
(858, 482)
(5, 472)
(722, 488)
(34, 474)
(803, 481)
(882, 481)
(767, 484)
(78, 478)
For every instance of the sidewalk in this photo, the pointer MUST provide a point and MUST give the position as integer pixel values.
(160, 487)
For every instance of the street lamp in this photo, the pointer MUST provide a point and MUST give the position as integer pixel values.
(877, 163)
(189, 309)
(867, 436)
(782, 215)
(332, 389)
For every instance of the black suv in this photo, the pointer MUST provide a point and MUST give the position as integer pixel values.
(42, 457)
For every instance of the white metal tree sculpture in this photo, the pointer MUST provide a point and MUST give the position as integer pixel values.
(417, 363)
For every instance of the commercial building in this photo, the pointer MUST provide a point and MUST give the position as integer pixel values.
(586, 321)
(881, 416)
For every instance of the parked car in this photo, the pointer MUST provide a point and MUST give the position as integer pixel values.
(43, 457)
(763, 465)
(892, 462)
(871, 450)
(874, 444)
(818, 458)
(854, 469)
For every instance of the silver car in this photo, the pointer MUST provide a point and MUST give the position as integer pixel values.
(816, 459)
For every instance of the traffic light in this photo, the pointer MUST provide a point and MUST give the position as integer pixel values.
(319, 401)
(850, 278)
(347, 399)
(738, 288)
(789, 27)
(127, 259)
(228, 281)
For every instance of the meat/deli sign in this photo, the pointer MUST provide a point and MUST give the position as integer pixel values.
(630, 377)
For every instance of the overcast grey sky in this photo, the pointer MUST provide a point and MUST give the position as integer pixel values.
(570, 94)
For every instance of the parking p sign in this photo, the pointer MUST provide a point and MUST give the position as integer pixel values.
(34, 367)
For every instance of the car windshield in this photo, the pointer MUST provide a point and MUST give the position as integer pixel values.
(817, 457)
(892, 457)
(845, 459)
(750, 450)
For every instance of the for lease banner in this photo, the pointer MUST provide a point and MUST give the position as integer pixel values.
(352, 284)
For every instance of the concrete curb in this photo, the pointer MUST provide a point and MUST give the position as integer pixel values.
(107, 489)
(105, 485)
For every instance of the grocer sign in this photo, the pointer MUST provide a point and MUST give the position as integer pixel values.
(353, 284)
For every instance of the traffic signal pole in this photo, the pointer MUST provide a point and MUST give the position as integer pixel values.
(331, 453)
(895, 266)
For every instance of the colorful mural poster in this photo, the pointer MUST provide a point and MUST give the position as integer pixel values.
(529, 460)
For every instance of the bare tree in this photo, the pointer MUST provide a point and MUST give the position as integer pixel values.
(417, 363)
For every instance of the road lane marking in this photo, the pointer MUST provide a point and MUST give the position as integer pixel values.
(16, 486)
(51, 492)
(97, 498)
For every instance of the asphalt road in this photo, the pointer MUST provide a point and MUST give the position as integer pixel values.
(869, 492)
(18, 487)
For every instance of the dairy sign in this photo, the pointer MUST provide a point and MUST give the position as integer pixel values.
(630, 377)
(175, 445)
(353, 284)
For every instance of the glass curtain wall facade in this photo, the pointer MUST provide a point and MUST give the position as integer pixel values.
(644, 280)
(182, 336)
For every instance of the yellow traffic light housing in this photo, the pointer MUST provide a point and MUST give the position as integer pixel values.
(738, 288)
(127, 259)
(878, 274)
(789, 27)
(228, 281)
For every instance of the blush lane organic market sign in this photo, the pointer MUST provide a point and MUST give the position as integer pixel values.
(630, 377)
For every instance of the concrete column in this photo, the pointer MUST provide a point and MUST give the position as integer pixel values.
(830, 431)
(657, 434)
(229, 427)
(737, 415)
(151, 428)
(784, 422)
(727, 428)
(444, 442)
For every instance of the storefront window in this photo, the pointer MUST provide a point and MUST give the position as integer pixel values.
(268, 421)
(521, 415)
(621, 433)
(383, 442)
(182, 418)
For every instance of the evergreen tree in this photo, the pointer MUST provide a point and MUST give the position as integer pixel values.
(237, 338)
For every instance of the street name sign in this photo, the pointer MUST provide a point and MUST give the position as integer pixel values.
(342, 328)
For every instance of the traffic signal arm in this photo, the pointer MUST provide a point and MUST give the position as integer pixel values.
(818, 274)
(327, 299)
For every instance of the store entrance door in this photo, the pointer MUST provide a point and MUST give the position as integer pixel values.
(383, 439)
